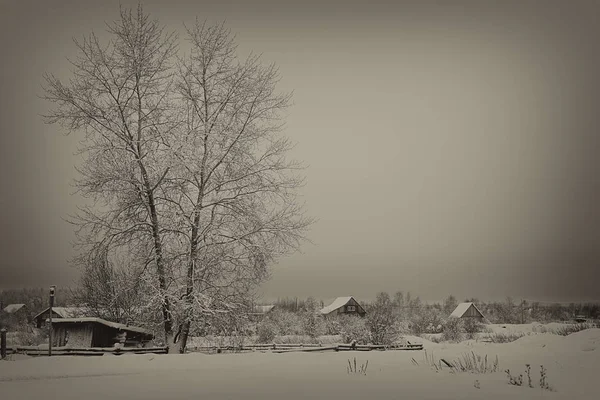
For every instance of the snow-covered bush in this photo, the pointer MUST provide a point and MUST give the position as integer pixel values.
(381, 320)
(266, 331)
(472, 327)
(354, 328)
(287, 323)
(452, 330)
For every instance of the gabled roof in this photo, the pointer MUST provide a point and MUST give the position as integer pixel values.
(337, 303)
(115, 325)
(65, 312)
(462, 308)
(12, 308)
(262, 309)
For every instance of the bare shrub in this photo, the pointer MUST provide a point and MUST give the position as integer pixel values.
(288, 323)
(355, 329)
(505, 337)
(266, 331)
(427, 320)
(573, 328)
(312, 323)
(452, 330)
(381, 320)
(472, 327)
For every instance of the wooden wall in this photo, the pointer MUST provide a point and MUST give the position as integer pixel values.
(472, 313)
(89, 334)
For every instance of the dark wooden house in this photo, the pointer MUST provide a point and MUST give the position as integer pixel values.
(467, 310)
(257, 313)
(96, 332)
(344, 305)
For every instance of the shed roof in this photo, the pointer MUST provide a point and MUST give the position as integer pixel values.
(115, 325)
(65, 312)
(12, 308)
(337, 303)
(462, 308)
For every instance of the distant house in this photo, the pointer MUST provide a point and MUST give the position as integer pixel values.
(15, 308)
(59, 312)
(97, 332)
(467, 310)
(344, 305)
(259, 312)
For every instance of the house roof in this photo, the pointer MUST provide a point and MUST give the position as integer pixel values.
(12, 308)
(115, 325)
(262, 309)
(337, 303)
(462, 308)
(65, 312)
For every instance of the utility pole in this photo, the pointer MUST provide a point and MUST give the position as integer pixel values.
(52, 289)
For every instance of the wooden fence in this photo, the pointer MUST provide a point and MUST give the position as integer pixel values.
(286, 348)
(275, 348)
(84, 351)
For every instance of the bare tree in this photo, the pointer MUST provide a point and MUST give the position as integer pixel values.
(236, 188)
(450, 303)
(110, 290)
(186, 165)
(119, 96)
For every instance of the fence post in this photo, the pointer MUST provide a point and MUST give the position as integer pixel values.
(2, 343)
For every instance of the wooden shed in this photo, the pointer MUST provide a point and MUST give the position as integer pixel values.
(96, 332)
(257, 313)
(344, 305)
(467, 310)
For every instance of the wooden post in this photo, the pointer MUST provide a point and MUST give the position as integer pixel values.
(52, 289)
(2, 343)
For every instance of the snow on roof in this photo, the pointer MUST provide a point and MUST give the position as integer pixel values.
(262, 309)
(462, 308)
(65, 312)
(11, 308)
(115, 325)
(337, 303)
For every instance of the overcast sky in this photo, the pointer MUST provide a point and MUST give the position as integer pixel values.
(451, 148)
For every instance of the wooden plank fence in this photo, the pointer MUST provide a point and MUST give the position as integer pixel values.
(275, 348)
(287, 348)
(84, 351)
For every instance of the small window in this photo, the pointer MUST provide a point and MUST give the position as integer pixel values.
(351, 308)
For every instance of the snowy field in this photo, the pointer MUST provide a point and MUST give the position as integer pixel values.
(572, 363)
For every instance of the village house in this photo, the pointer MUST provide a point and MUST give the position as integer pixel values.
(344, 305)
(257, 313)
(466, 311)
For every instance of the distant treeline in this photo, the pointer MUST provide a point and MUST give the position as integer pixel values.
(505, 312)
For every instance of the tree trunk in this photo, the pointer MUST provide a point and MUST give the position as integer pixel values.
(185, 332)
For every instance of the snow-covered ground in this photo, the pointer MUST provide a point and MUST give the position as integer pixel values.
(572, 363)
